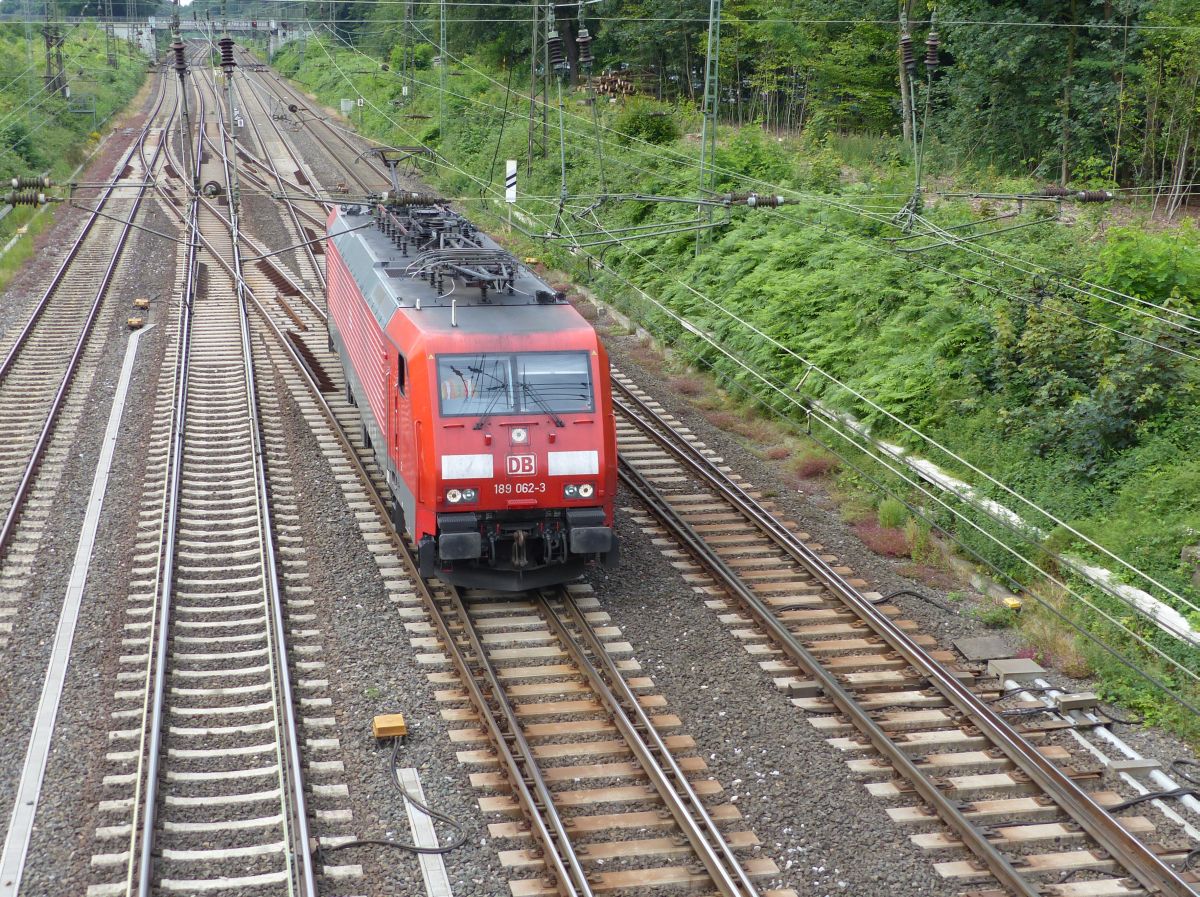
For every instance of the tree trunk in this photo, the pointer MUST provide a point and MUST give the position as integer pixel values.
(906, 99)
(1065, 173)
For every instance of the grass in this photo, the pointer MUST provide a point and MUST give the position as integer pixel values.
(995, 614)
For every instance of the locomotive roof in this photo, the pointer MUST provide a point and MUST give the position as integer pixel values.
(390, 280)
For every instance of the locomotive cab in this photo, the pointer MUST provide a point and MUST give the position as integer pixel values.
(520, 491)
(484, 395)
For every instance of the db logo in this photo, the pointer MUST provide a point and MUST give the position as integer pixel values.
(521, 465)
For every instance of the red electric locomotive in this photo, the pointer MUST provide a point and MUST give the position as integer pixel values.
(484, 396)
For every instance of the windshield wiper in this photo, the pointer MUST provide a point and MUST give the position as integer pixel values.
(497, 392)
(499, 388)
(541, 403)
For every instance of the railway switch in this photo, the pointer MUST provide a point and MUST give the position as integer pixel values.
(389, 725)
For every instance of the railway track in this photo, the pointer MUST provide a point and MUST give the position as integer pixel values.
(1029, 823)
(630, 773)
(50, 361)
(909, 721)
(208, 794)
(863, 670)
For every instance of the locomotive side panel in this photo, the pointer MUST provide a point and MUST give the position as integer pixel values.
(363, 348)
(408, 412)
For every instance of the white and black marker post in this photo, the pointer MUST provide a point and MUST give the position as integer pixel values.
(510, 186)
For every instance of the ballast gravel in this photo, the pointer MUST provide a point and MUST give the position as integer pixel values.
(63, 838)
(812, 815)
(372, 669)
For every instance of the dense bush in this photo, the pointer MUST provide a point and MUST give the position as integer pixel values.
(646, 120)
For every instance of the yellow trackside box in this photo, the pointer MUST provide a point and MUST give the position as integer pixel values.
(389, 725)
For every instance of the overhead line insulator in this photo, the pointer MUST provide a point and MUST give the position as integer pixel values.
(25, 198)
(554, 45)
(931, 51)
(906, 53)
(585, 47)
(34, 182)
(227, 62)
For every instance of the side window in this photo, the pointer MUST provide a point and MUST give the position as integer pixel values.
(401, 375)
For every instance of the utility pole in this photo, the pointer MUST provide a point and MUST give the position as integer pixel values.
(543, 34)
(227, 66)
(56, 79)
(906, 107)
(109, 35)
(442, 60)
(181, 70)
(712, 99)
(407, 53)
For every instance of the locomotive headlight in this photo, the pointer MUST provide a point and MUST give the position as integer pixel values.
(454, 496)
(571, 491)
(579, 490)
(469, 495)
(519, 435)
(587, 490)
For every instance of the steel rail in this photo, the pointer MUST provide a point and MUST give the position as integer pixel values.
(337, 134)
(258, 250)
(552, 829)
(167, 576)
(1151, 871)
(669, 780)
(244, 237)
(13, 513)
(291, 207)
(299, 806)
(95, 216)
(515, 772)
(572, 880)
(288, 728)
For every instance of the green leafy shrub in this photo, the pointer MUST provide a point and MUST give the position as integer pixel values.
(646, 120)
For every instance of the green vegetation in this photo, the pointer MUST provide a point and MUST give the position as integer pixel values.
(1071, 398)
(892, 513)
(42, 132)
(995, 615)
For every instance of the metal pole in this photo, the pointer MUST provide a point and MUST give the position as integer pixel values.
(708, 132)
(442, 67)
(533, 67)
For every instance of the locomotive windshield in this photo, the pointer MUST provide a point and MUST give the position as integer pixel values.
(517, 383)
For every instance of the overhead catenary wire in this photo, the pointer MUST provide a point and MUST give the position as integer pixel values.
(1088, 288)
(441, 161)
(1110, 296)
(816, 198)
(797, 20)
(841, 385)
